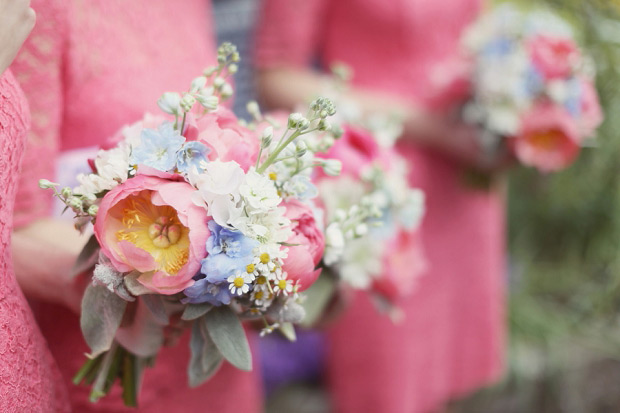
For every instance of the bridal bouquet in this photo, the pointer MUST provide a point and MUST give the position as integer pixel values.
(200, 221)
(531, 88)
(372, 242)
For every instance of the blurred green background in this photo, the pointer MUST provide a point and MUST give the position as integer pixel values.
(564, 241)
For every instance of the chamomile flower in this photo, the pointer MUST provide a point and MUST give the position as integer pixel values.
(282, 285)
(240, 283)
(262, 297)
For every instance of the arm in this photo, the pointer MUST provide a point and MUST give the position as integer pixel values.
(16, 21)
(285, 86)
(44, 249)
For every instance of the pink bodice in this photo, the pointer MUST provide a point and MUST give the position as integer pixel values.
(29, 380)
(451, 339)
(89, 68)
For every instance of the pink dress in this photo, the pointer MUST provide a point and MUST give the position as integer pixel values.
(29, 378)
(88, 68)
(451, 340)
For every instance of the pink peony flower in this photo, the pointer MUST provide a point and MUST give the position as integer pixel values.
(302, 259)
(402, 266)
(554, 57)
(591, 114)
(228, 140)
(150, 225)
(548, 140)
(356, 149)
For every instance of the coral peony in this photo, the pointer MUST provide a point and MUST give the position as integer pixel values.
(150, 225)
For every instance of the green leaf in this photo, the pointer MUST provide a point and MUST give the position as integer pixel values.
(102, 312)
(205, 357)
(155, 304)
(227, 333)
(194, 311)
(288, 331)
(134, 286)
(88, 257)
(317, 298)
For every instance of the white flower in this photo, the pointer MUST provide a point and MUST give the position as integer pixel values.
(282, 285)
(334, 243)
(362, 262)
(218, 188)
(259, 193)
(240, 283)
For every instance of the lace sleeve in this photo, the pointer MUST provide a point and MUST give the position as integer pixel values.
(39, 69)
(289, 32)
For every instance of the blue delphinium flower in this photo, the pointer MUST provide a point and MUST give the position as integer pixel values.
(191, 155)
(205, 292)
(158, 148)
(229, 252)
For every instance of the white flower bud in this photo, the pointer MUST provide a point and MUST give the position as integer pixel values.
(66, 192)
(300, 149)
(332, 167)
(226, 91)
(187, 102)
(75, 203)
(267, 137)
(294, 120)
(170, 102)
(198, 84)
(45, 184)
(304, 124)
(253, 109)
(232, 69)
(208, 102)
(92, 210)
(218, 82)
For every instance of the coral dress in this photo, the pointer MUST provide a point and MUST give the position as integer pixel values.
(29, 378)
(88, 68)
(451, 340)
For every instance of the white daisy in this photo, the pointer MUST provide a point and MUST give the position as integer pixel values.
(240, 283)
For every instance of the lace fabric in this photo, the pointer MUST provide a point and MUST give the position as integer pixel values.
(29, 380)
(88, 68)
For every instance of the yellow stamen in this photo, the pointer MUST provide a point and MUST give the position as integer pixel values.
(261, 280)
(250, 268)
(281, 284)
(264, 258)
(238, 282)
(273, 176)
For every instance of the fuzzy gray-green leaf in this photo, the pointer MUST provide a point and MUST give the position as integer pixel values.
(102, 312)
(194, 311)
(205, 357)
(227, 333)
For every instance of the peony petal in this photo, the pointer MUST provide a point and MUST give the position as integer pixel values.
(136, 257)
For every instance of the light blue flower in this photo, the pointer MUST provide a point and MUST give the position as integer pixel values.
(158, 148)
(498, 47)
(573, 99)
(191, 155)
(229, 252)
(205, 292)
